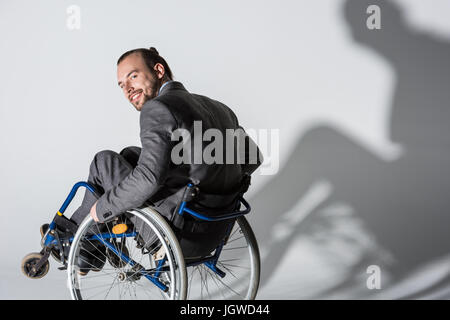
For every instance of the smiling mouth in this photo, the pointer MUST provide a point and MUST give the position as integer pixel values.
(135, 96)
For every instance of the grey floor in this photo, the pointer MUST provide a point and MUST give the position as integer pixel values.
(309, 270)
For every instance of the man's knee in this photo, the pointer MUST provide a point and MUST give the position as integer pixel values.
(105, 155)
(102, 159)
(108, 168)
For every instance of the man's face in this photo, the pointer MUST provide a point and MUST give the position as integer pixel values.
(137, 82)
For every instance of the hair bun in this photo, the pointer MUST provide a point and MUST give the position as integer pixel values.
(153, 50)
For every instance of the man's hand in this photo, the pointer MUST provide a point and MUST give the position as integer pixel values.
(93, 212)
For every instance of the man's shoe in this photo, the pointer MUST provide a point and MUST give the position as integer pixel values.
(92, 257)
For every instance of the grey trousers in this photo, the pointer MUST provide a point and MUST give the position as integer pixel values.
(108, 169)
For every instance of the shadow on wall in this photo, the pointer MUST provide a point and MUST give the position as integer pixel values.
(403, 204)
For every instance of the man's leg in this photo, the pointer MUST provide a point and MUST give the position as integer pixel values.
(108, 169)
(131, 154)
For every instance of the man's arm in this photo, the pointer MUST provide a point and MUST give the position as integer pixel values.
(157, 124)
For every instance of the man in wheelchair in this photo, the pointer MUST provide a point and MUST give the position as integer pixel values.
(152, 176)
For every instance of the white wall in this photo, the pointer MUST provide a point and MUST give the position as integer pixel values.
(287, 65)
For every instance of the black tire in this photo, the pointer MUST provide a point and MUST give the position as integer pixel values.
(29, 261)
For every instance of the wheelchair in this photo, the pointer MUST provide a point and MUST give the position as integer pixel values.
(113, 260)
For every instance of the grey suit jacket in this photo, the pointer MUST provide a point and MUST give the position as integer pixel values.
(157, 179)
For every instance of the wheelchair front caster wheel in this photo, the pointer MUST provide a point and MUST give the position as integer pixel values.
(29, 263)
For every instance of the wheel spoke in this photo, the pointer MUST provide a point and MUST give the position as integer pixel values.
(124, 280)
(239, 260)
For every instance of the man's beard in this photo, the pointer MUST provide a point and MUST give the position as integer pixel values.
(155, 87)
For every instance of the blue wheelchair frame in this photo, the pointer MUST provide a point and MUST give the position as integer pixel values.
(209, 261)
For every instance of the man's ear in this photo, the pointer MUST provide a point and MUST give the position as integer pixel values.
(160, 71)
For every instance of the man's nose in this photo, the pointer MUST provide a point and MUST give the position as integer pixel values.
(129, 89)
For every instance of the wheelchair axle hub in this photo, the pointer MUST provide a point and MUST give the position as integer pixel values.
(122, 277)
(128, 276)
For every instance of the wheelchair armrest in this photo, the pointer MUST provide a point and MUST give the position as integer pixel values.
(74, 191)
(227, 216)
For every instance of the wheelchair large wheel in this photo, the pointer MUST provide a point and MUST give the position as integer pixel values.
(143, 262)
(240, 262)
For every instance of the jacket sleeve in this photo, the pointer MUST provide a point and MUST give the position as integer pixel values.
(157, 124)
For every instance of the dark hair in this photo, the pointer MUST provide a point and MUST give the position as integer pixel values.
(151, 57)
